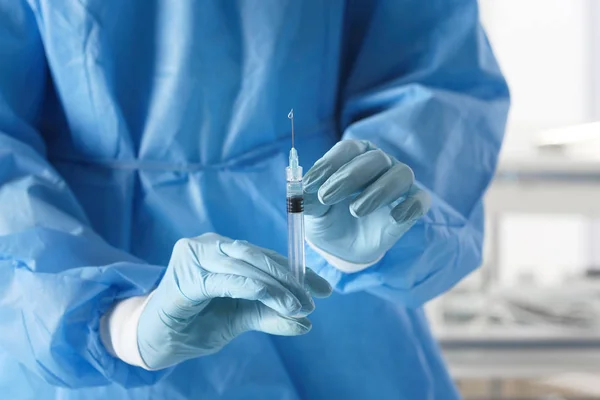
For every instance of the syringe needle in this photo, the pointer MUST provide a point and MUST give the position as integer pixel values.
(291, 116)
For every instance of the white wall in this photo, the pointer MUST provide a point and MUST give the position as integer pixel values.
(546, 50)
(552, 248)
(543, 48)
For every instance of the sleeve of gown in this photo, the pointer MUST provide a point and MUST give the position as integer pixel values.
(420, 82)
(57, 277)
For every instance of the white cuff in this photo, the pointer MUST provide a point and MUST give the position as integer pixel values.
(118, 330)
(343, 265)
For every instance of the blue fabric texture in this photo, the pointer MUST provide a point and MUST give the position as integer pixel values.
(125, 126)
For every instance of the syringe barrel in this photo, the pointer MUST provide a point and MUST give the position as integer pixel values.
(295, 210)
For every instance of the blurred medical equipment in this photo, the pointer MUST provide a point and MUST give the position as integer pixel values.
(575, 307)
(215, 289)
(295, 211)
(522, 333)
(490, 329)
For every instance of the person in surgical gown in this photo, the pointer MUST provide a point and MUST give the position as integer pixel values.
(128, 125)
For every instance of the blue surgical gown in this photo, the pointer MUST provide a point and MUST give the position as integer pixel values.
(125, 125)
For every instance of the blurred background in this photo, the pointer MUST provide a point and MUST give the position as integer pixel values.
(527, 324)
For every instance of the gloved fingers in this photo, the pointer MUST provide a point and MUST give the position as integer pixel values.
(354, 176)
(405, 214)
(202, 272)
(391, 186)
(257, 263)
(282, 298)
(313, 207)
(280, 259)
(224, 285)
(317, 286)
(313, 283)
(254, 316)
(333, 160)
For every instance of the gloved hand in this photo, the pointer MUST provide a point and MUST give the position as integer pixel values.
(359, 201)
(215, 289)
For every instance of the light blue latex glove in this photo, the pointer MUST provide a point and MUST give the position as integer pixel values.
(359, 201)
(216, 288)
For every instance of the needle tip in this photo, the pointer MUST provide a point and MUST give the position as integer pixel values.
(291, 116)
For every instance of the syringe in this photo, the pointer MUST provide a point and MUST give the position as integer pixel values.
(295, 210)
